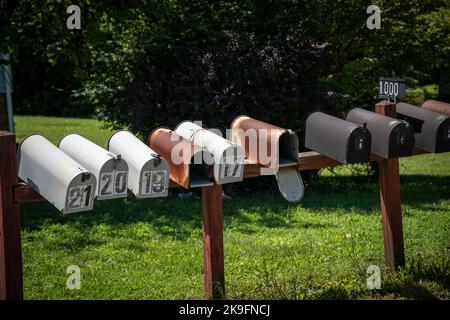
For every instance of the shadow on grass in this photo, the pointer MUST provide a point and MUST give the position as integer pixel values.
(180, 218)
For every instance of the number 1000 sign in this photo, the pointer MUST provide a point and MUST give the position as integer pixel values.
(389, 88)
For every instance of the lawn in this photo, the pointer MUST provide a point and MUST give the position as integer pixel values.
(318, 249)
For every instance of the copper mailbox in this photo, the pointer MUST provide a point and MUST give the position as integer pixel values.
(263, 143)
(186, 160)
(432, 129)
(391, 138)
(275, 148)
(338, 139)
(437, 106)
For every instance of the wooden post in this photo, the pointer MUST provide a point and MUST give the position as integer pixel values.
(390, 202)
(213, 256)
(10, 241)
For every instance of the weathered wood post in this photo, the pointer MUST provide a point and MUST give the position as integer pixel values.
(213, 256)
(390, 201)
(10, 241)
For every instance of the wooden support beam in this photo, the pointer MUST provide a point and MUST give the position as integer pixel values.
(390, 202)
(10, 240)
(213, 256)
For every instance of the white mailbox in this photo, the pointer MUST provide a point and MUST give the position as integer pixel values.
(57, 177)
(148, 172)
(110, 170)
(228, 158)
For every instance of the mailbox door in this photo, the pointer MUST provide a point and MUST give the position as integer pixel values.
(359, 146)
(113, 180)
(154, 181)
(230, 166)
(80, 194)
(290, 184)
(401, 141)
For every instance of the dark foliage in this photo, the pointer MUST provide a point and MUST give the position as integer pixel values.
(275, 83)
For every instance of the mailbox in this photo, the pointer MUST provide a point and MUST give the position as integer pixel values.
(273, 147)
(391, 138)
(338, 139)
(186, 160)
(227, 157)
(148, 172)
(110, 170)
(263, 143)
(432, 129)
(57, 177)
(437, 106)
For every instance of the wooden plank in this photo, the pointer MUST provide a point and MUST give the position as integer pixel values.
(213, 256)
(23, 193)
(10, 241)
(390, 202)
(306, 161)
(3, 112)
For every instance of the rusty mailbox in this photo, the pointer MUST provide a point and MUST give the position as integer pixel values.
(227, 157)
(186, 160)
(391, 138)
(54, 175)
(437, 106)
(110, 170)
(148, 172)
(338, 139)
(273, 147)
(432, 129)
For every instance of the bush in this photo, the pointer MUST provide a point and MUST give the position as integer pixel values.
(277, 83)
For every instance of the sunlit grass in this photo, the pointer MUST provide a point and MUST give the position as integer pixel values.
(318, 249)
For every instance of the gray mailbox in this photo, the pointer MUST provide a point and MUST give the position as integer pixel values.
(338, 139)
(57, 177)
(391, 138)
(110, 170)
(432, 129)
(148, 175)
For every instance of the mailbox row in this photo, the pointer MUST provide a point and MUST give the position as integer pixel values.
(364, 132)
(76, 171)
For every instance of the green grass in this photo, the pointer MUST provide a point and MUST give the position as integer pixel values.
(55, 128)
(318, 249)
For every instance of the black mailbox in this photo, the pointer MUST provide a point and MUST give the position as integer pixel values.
(391, 138)
(431, 129)
(338, 139)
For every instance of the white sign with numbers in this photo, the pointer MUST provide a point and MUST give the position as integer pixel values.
(113, 183)
(232, 167)
(80, 197)
(391, 88)
(153, 182)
